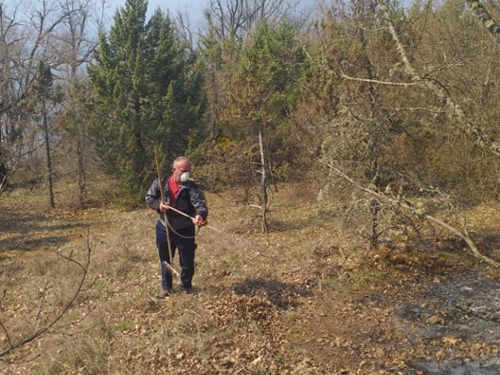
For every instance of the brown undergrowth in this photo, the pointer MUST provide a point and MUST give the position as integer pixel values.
(309, 298)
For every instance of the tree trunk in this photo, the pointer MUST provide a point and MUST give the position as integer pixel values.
(265, 228)
(49, 158)
(3, 168)
(80, 148)
(373, 147)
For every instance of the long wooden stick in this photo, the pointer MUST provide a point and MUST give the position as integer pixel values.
(168, 266)
(192, 218)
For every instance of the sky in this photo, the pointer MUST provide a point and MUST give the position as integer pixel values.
(194, 8)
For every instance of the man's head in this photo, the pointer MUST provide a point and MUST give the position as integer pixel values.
(181, 169)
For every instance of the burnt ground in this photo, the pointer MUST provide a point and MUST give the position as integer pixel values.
(414, 324)
(460, 316)
(463, 314)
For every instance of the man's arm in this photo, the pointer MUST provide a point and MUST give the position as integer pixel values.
(153, 196)
(198, 201)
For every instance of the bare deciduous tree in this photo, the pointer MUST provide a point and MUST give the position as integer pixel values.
(60, 35)
(25, 33)
(230, 19)
(72, 45)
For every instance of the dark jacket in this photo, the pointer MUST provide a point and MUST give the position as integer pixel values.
(190, 200)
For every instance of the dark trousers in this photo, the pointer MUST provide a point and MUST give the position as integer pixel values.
(183, 240)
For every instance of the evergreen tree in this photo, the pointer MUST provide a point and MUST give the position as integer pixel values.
(148, 94)
(266, 83)
(265, 86)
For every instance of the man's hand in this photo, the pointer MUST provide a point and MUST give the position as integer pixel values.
(198, 220)
(163, 207)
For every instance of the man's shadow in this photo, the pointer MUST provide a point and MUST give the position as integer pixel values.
(280, 294)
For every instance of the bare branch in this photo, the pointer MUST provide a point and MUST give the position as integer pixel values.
(38, 333)
(7, 335)
(488, 21)
(40, 307)
(376, 81)
(479, 137)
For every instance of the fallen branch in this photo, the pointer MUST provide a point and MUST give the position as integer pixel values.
(37, 333)
(463, 234)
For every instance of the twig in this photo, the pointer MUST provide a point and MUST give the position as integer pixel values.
(378, 82)
(37, 333)
(40, 307)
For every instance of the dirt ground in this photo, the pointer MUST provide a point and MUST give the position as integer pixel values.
(308, 298)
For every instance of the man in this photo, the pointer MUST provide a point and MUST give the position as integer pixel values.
(183, 195)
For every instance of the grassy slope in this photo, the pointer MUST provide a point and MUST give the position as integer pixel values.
(307, 298)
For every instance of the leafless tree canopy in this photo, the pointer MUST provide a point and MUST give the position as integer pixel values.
(235, 18)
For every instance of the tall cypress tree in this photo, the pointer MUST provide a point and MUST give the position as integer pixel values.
(147, 94)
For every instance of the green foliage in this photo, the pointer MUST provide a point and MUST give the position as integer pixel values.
(261, 89)
(224, 164)
(46, 94)
(148, 95)
(44, 81)
(266, 83)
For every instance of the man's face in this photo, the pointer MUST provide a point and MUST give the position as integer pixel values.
(182, 166)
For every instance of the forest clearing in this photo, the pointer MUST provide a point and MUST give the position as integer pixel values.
(308, 298)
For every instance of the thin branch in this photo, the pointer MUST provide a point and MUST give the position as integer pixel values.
(40, 307)
(6, 335)
(376, 81)
(36, 334)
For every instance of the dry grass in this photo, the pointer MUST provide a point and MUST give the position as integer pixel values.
(278, 304)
